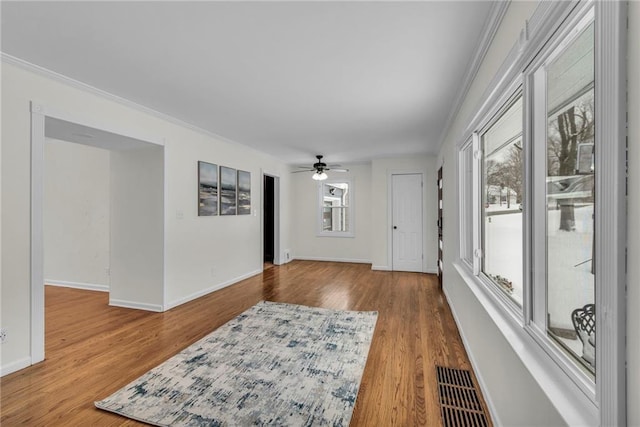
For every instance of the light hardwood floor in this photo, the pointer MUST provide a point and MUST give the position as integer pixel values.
(93, 349)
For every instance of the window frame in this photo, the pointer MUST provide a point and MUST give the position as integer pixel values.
(537, 320)
(578, 398)
(512, 93)
(320, 232)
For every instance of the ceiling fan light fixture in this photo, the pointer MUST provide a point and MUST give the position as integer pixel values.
(319, 176)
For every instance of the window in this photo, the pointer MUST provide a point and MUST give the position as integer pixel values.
(335, 208)
(541, 189)
(570, 239)
(466, 198)
(502, 201)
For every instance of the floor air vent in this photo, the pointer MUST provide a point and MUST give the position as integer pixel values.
(459, 402)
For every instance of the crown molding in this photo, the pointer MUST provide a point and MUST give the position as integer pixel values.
(45, 72)
(496, 14)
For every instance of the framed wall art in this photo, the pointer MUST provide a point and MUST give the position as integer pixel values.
(244, 193)
(207, 189)
(228, 188)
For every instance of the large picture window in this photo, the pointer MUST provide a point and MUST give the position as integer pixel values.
(541, 192)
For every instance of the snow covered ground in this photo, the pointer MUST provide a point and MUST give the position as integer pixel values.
(570, 284)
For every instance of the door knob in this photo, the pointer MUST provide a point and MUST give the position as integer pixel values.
(395, 228)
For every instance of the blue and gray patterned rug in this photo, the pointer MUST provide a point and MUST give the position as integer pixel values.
(275, 364)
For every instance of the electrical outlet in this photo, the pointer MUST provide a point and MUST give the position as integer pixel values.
(3, 335)
(107, 271)
(287, 255)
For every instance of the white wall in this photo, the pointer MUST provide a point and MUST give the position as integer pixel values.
(380, 244)
(633, 255)
(137, 222)
(511, 391)
(306, 243)
(232, 244)
(76, 214)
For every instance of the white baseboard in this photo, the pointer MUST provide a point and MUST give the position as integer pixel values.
(387, 268)
(76, 285)
(213, 288)
(15, 366)
(313, 258)
(135, 305)
(483, 386)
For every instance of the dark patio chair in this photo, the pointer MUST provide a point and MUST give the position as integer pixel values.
(584, 322)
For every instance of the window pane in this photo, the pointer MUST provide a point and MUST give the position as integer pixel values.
(502, 172)
(570, 194)
(335, 206)
(466, 192)
(336, 194)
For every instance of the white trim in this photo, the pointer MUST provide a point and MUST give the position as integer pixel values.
(95, 123)
(465, 235)
(431, 270)
(497, 12)
(9, 59)
(575, 407)
(39, 112)
(495, 418)
(15, 366)
(328, 259)
(476, 201)
(278, 258)
(547, 16)
(381, 267)
(211, 289)
(37, 236)
(136, 305)
(77, 285)
(611, 206)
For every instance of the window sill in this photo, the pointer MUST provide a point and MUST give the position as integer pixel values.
(575, 407)
(336, 234)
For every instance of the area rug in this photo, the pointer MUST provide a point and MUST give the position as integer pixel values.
(274, 364)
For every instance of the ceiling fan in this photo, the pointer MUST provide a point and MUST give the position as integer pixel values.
(319, 168)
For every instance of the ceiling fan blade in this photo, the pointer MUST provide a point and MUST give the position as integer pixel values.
(334, 166)
(306, 170)
(338, 170)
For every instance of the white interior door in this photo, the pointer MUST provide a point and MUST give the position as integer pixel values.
(407, 222)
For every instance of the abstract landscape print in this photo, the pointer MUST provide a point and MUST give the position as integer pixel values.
(207, 189)
(228, 188)
(244, 193)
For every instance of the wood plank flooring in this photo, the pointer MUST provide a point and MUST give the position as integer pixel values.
(93, 349)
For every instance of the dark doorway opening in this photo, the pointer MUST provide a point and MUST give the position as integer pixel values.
(268, 209)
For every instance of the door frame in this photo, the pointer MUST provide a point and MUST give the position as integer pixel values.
(390, 174)
(440, 224)
(277, 258)
(39, 113)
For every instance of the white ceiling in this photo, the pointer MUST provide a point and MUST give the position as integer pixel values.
(350, 80)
